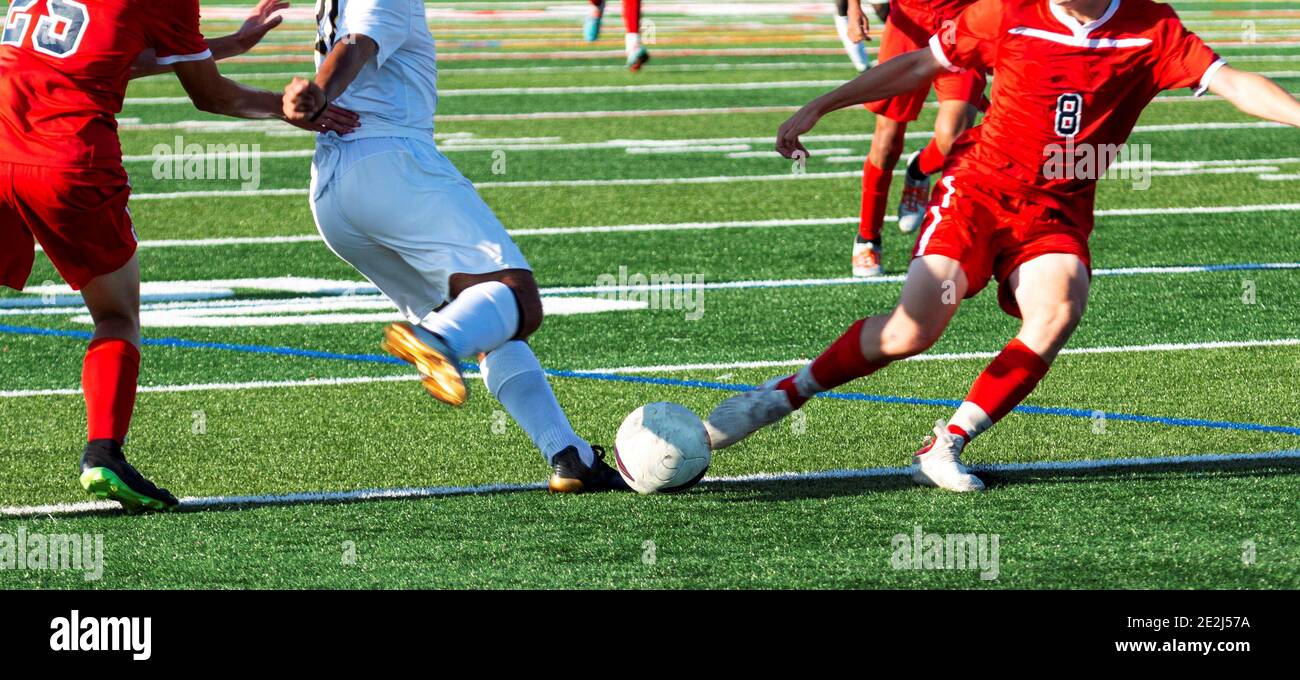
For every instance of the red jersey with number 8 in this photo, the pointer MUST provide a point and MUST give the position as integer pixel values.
(66, 65)
(1060, 85)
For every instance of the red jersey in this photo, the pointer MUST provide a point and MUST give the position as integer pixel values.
(66, 64)
(1059, 84)
(939, 9)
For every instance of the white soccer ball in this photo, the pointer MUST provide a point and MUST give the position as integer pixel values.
(662, 447)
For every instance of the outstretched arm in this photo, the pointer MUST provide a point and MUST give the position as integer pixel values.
(1256, 95)
(903, 73)
(337, 72)
(258, 24)
(214, 93)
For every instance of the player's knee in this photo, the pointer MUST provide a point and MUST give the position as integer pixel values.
(902, 340)
(1057, 320)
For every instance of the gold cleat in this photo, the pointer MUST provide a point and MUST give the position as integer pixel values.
(442, 376)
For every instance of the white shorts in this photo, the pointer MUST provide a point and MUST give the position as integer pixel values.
(397, 210)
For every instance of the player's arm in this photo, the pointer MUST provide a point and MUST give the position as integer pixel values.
(333, 77)
(1256, 95)
(214, 93)
(859, 26)
(903, 73)
(255, 27)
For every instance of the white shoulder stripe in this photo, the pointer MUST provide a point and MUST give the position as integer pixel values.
(1076, 41)
(178, 58)
(937, 48)
(1208, 76)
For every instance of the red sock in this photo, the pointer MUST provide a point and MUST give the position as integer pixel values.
(840, 363)
(1008, 380)
(931, 159)
(108, 378)
(875, 193)
(632, 16)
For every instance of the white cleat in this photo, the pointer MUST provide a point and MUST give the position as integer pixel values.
(916, 195)
(746, 413)
(938, 463)
(866, 260)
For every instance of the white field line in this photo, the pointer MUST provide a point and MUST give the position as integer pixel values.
(464, 143)
(192, 503)
(659, 369)
(579, 89)
(701, 226)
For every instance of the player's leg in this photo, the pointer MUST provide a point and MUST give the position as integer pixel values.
(877, 172)
(856, 49)
(110, 370)
(955, 116)
(934, 288)
(1051, 292)
(637, 55)
(591, 27)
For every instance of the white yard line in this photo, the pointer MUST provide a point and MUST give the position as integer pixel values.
(192, 503)
(658, 369)
(703, 226)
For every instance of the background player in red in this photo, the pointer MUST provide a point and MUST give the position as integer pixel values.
(960, 95)
(637, 55)
(1076, 71)
(66, 65)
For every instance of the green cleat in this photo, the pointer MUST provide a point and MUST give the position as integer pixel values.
(107, 476)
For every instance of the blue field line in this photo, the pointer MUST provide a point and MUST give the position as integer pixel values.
(675, 382)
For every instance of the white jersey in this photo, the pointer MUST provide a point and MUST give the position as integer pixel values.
(396, 92)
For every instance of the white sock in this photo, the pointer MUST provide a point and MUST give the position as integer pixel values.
(515, 378)
(971, 419)
(857, 51)
(481, 319)
(804, 382)
(632, 42)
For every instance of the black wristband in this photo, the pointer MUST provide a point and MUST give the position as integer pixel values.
(317, 115)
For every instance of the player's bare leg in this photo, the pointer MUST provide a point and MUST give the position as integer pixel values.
(591, 27)
(1052, 293)
(954, 117)
(109, 373)
(877, 171)
(934, 289)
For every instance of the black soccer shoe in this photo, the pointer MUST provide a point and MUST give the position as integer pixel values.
(106, 475)
(572, 476)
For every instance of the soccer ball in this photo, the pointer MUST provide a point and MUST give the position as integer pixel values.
(662, 447)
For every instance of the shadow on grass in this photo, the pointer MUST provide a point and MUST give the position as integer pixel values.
(777, 490)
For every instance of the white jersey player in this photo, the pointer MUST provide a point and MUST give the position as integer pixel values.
(391, 205)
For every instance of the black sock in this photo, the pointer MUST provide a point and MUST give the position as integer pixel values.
(914, 169)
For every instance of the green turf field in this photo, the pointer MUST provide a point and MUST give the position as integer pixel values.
(1162, 451)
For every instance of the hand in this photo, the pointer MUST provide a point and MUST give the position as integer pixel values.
(859, 26)
(787, 138)
(260, 22)
(303, 101)
(334, 119)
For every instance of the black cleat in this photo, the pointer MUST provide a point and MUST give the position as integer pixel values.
(572, 476)
(106, 475)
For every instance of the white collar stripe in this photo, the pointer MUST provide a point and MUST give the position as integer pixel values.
(1082, 30)
(1080, 41)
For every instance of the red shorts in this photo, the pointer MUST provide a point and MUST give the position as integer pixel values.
(992, 231)
(906, 32)
(78, 215)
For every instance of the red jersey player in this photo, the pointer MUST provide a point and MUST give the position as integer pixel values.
(1069, 73)
(66, 65)
(961, 97)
